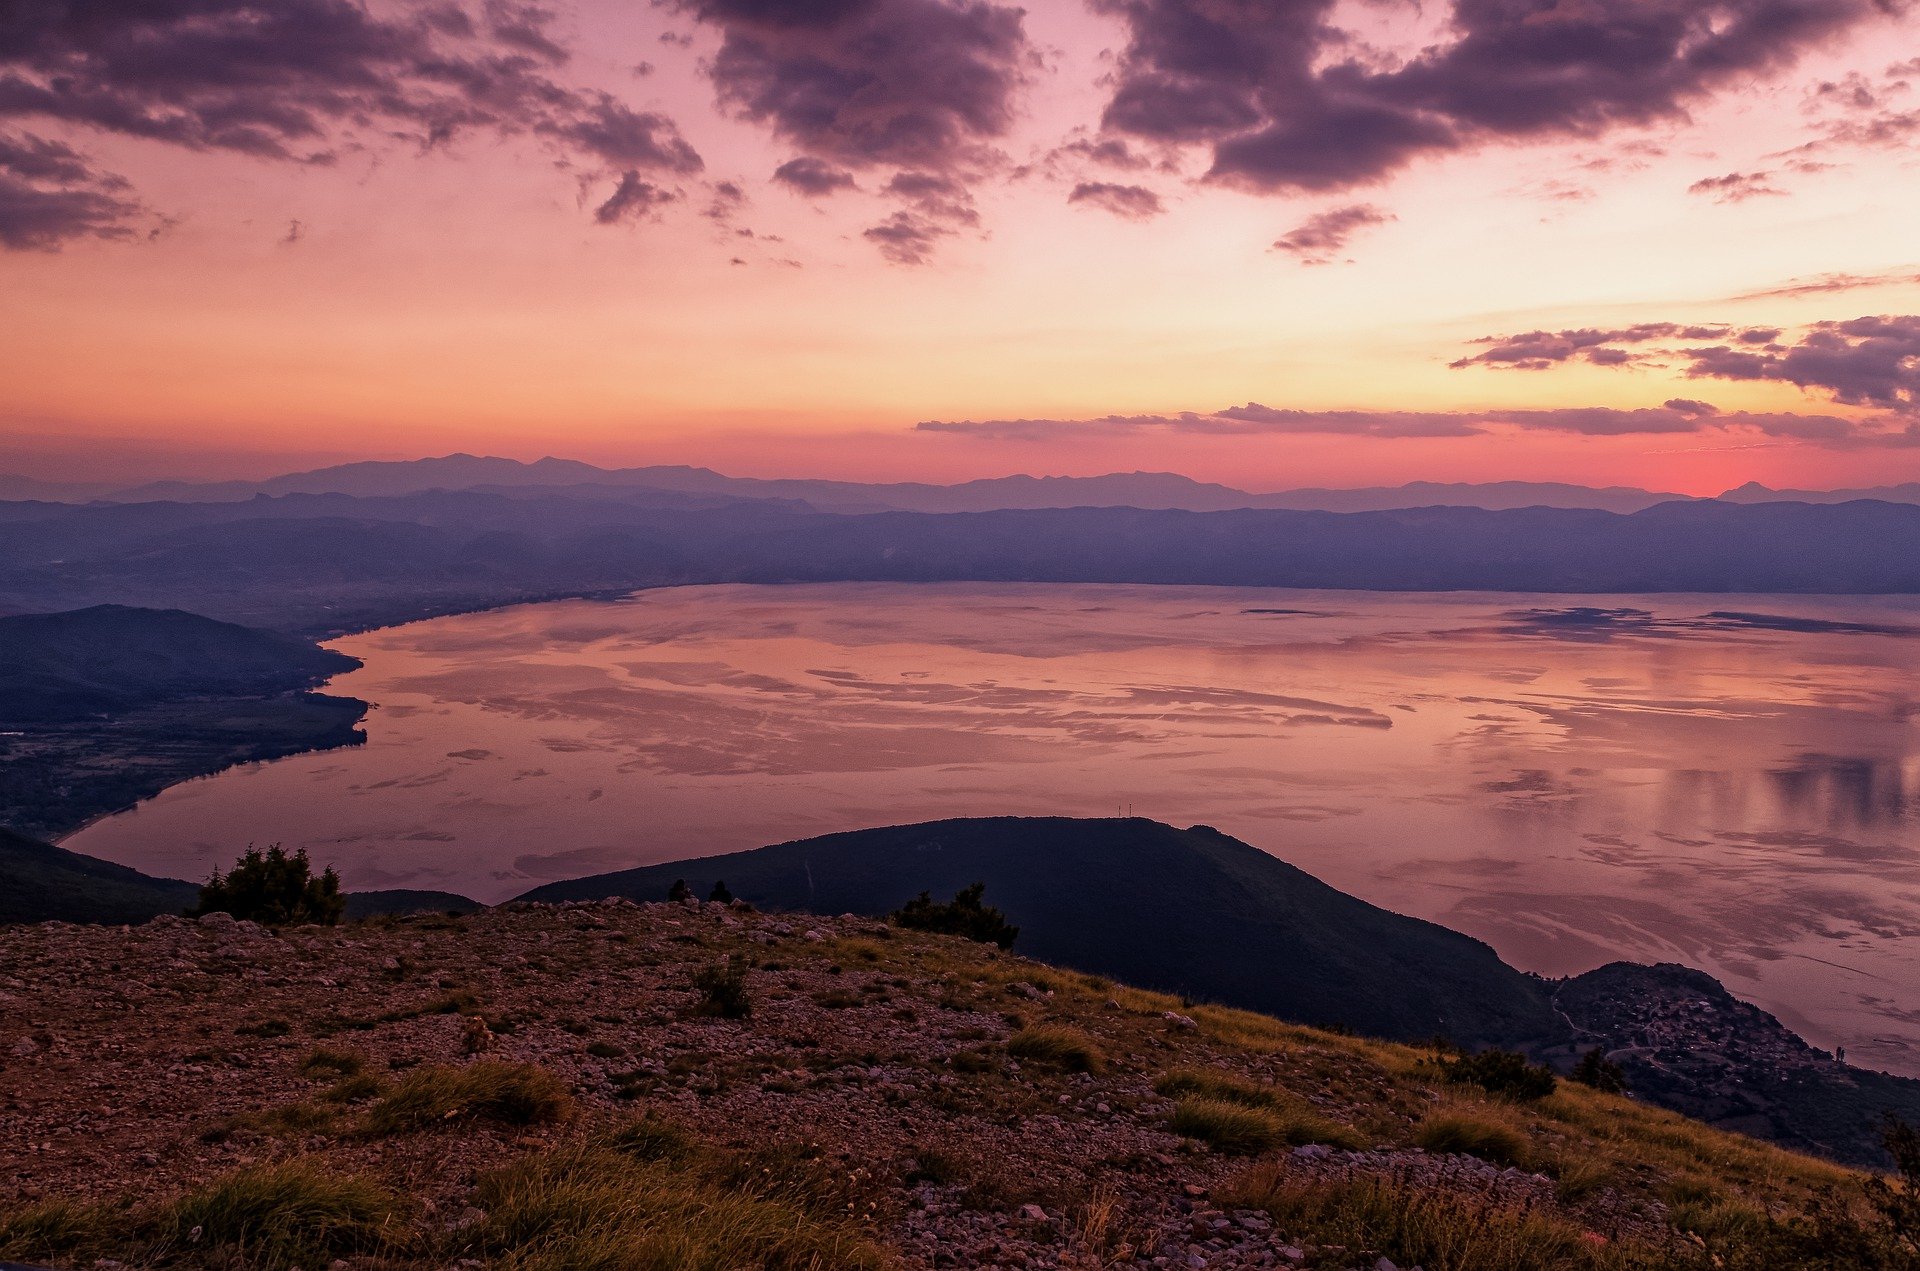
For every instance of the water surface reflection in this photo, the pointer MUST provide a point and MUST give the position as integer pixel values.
(1728, 781)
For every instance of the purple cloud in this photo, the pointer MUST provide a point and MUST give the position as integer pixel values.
(306, 80)
(1277, 94)
(1321, 238)
(928, 86)
(813, 177)
(913, 83)
(632, 200)
(1678, 416)
(50, 195)
(1737, 187)
(1538, 350)
(1131, 202)
(1869, 361)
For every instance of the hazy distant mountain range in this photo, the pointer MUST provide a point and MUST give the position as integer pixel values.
(671, 484)
(315, 564)
(1153, 490)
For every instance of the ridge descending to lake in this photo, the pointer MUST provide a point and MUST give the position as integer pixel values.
(1186, 911)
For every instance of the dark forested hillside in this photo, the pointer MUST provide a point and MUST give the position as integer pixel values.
(58, 667)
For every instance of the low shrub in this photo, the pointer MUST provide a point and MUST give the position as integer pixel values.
(1500, 1072)
(513, 1094)
(1067, 1048)
(723, 989)
(1599, 1072)
(964, 915)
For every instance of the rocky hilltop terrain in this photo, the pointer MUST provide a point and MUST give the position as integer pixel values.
(697, 1085)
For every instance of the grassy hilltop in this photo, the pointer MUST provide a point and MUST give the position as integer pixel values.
(693, 1086)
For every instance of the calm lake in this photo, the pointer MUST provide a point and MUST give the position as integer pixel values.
(1732, 782)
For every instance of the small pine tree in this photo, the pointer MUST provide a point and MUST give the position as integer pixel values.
(1596, 1070)
(274, 888)
(964, 915)
(679, 891)
(720, 893)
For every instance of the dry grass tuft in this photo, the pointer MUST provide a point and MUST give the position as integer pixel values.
(513, 1094)
(1059, 1047)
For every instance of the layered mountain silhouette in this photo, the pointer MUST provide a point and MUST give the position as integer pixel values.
(321, 564)
(1117, 489)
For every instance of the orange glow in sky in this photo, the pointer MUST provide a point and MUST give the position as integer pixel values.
(227, 307)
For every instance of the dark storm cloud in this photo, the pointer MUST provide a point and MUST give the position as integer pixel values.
(49, 195)
(308, 80)
(1283, 102)
(813, 177)
(1320, 239)
(1679, 416)
(1132, 202)
(1869, 361)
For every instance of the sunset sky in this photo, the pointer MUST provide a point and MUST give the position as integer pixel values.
(1669, 243)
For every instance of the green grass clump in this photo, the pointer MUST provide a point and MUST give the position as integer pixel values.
(263, 1218)
(1416, 1225)
(278, 1216)
(1232, 1128)
(650, 1138)
(1211, 1083)
(1067, 1048)
(601, 1206)
(325, 1061)
(1465, 1134)
(1242, 1129)
(46, 1230)
(513, 1094)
